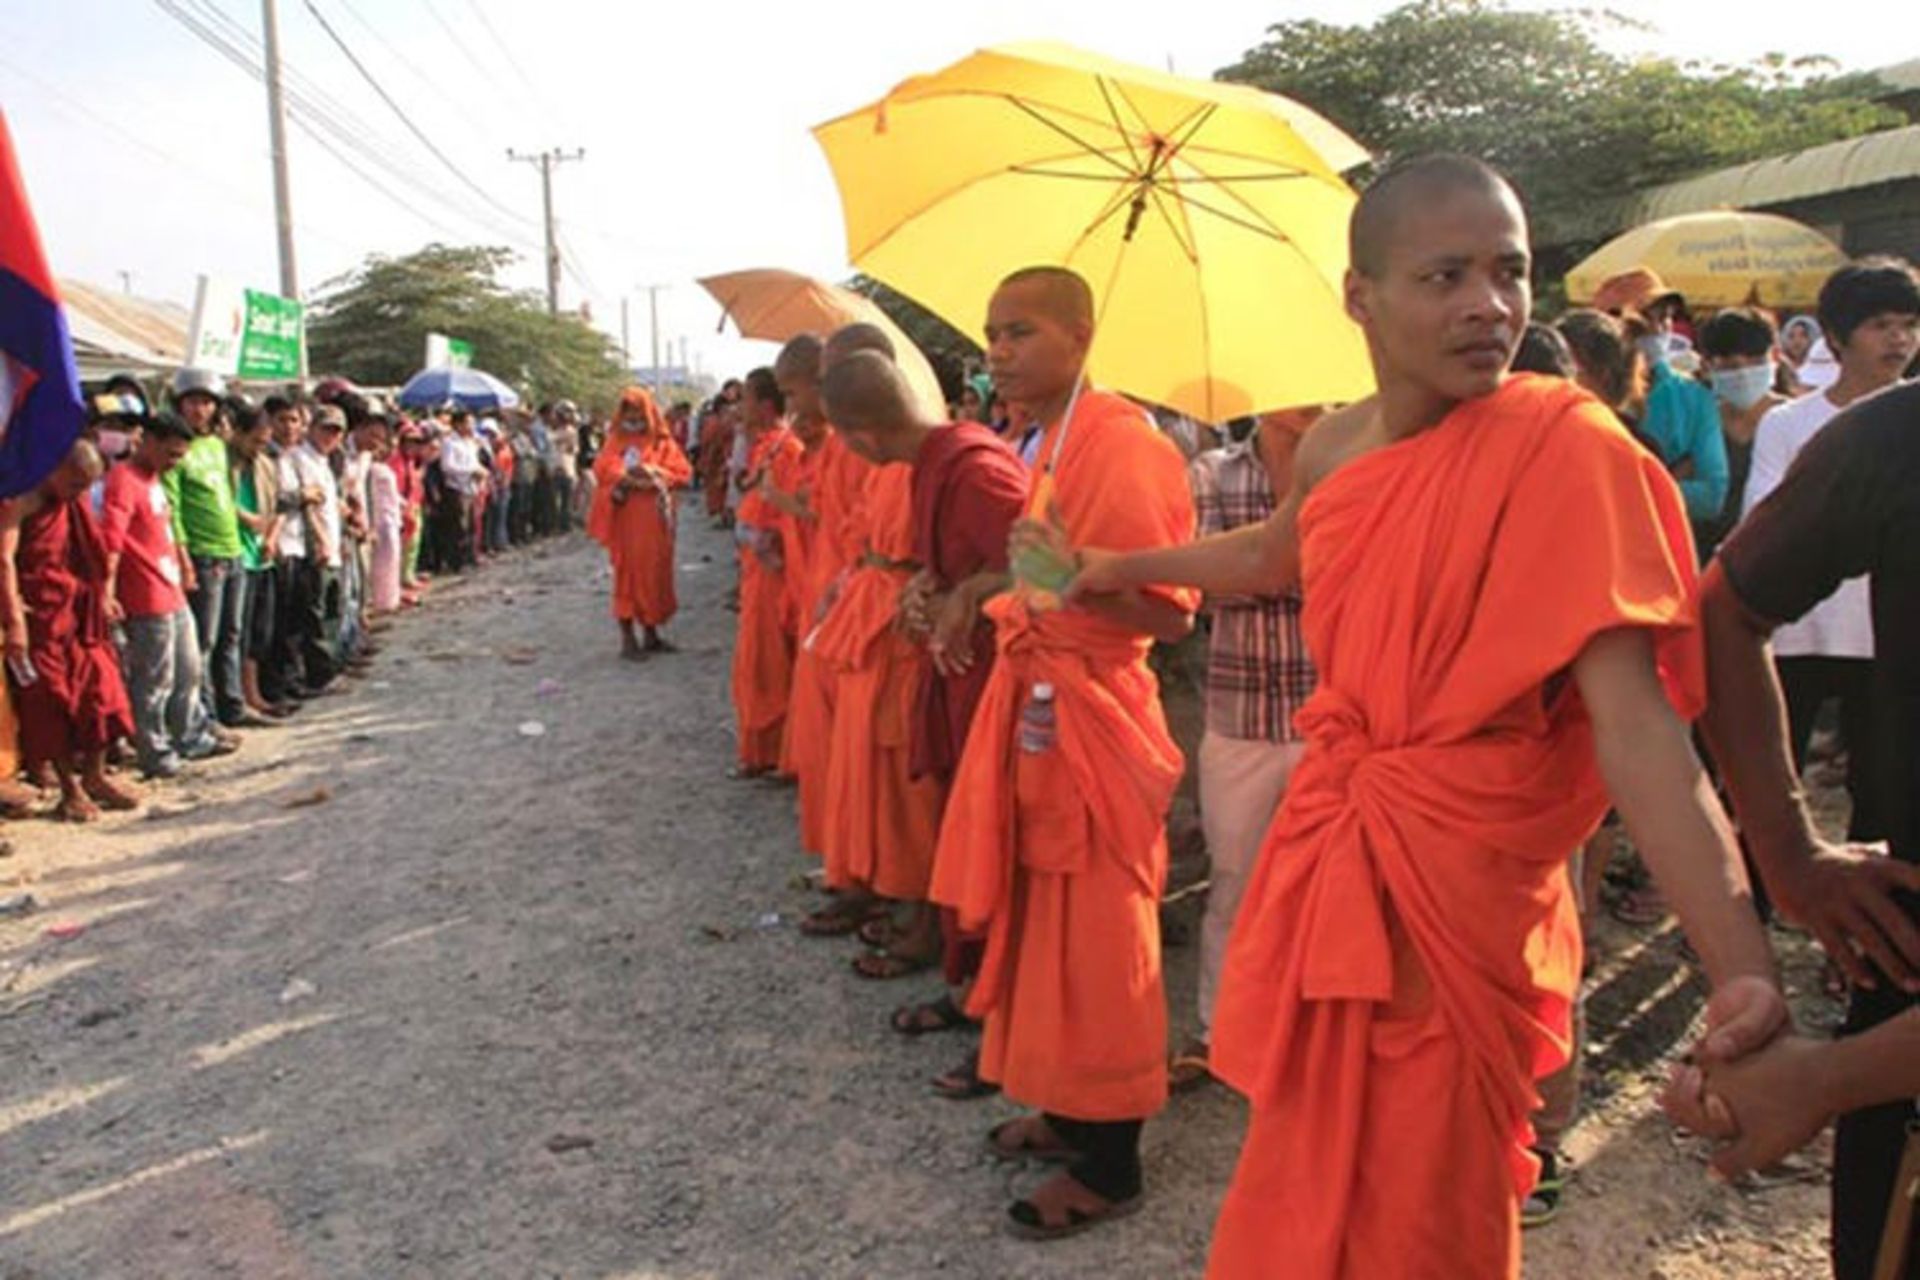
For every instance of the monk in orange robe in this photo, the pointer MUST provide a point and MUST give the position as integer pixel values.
(763, 647)
(967, 491)
(1054, 839)
(1496, 583)
(637, 475)
(832, 488)
(716, 447)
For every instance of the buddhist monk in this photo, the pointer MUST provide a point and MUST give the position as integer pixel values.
(717, 428)
(637, 473)
(833, 484)
(1496, 584)
(763, 649)
(967, 491)
(65, 671)
(1054, 837)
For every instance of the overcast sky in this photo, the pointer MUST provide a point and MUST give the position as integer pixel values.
(146, 151)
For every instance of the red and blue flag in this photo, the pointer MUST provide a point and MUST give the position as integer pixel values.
(40, 408)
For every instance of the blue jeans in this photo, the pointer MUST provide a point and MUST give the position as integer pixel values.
(219, 606)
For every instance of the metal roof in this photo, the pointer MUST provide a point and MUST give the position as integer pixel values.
(1892, 155)
(112, 331)
(1901, 77)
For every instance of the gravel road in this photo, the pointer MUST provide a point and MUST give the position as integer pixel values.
(406, 991)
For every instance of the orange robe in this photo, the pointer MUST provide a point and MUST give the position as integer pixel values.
(1406, 957)
(835, 545)
(881, 822)
(1059, 856)
(763, 647)
(638, 533)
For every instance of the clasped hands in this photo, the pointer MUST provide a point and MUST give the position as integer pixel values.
(1762, 1094)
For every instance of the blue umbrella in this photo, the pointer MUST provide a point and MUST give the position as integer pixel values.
(468, 388)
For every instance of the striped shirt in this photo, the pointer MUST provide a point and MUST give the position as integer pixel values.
(1258, 671)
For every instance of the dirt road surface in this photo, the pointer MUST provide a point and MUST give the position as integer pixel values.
(406, 991)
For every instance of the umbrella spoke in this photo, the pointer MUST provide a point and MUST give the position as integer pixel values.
(1069, 134)
(1188, 245)
(1106, 95)
(1122, 198)
(1257, 224)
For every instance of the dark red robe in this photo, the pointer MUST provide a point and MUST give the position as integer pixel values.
(968, 489)
(77, 703)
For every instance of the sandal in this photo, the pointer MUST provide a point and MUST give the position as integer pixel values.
(913, 1020)
(1014, 1140)
(963, 1083)
(885, 966)
(1543, 1204)
(1027, 1220)
(840, 918)
(1190, 1069)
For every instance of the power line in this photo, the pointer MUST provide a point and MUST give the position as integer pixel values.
(347, 128)
(407, 120)
(533, 94)
(317, 124)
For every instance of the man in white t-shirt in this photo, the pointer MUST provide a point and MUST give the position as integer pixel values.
(1870, 312)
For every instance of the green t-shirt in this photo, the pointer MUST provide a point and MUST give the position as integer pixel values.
(201, 490)
(249, 499)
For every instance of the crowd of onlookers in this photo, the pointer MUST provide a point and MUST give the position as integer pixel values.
(198, 570)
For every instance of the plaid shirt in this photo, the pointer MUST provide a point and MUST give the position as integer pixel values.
(1258, 671)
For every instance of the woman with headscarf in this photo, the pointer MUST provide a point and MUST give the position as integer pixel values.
(636, 473)
(1809, 360)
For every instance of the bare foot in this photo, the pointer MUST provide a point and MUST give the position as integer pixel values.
(76, 808)
(111, 795)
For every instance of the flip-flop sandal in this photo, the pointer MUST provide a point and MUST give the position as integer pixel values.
(1543, 1205)
(838, 920)
(1055, 1153)
(913, 1020)
(1025, 1223)
(1188, 1072)
(885, 966)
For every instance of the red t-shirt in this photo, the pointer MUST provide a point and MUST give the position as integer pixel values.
(137, 522)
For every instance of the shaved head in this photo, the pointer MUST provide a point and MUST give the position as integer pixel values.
(1060, 292)
(799, 360)
(857, 337)
(1414, 185)
(872, 406)
(76, 472)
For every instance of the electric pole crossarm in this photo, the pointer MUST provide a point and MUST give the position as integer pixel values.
(546, 160)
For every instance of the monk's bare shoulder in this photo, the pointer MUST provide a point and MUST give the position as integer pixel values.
(1336, 440)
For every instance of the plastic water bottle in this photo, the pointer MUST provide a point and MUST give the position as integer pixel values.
(1038, 725)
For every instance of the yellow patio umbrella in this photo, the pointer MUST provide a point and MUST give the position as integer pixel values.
(1726, 258)
(1210, 219)
(776, 305)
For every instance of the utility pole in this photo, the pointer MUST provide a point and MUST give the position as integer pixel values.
(277, 134)
(546, 160)
(126, 282)
(653, 320)
(626, 338)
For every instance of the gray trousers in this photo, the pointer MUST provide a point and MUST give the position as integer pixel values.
(162, 664)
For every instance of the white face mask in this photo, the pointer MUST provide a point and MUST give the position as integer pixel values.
(1657, 348)
(1743, 388)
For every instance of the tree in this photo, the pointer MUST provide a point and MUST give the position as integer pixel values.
(371, 326)
(947, 349)
(1536, 95)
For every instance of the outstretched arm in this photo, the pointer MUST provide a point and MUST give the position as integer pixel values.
(1678, 825)
(1844, 896)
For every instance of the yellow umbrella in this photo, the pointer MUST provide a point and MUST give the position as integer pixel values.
(776, 305)
(1726, 258)
(1210, 219)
